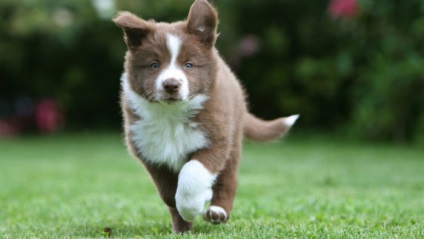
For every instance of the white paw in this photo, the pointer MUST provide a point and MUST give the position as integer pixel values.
(193, 190)
(215, 215)
(189, 205)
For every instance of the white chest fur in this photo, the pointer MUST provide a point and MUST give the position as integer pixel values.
(165, 135)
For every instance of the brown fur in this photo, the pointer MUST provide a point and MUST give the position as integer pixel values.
(261, 130)
(224, 117)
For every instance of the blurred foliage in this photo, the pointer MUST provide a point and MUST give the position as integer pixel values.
(364, 75)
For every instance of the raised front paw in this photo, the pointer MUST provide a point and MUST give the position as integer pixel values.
(215, 215)
(189, 205)
(193, 190)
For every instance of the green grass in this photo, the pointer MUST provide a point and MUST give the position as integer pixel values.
(73, 186)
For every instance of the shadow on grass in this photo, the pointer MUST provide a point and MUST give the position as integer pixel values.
(150, 230)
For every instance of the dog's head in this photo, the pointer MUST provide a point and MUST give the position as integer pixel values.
(169, 62)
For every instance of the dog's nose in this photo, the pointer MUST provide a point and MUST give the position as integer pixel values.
(171, 85)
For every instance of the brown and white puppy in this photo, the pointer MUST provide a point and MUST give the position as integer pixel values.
(185, 113)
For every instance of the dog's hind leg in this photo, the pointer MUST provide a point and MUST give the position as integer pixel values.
(178, 223)
(166, 184)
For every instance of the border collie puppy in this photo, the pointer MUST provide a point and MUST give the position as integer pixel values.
(185, 113)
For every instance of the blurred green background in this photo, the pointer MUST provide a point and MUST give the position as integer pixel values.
(355, 69)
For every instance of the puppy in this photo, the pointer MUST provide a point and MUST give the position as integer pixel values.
(185, 113)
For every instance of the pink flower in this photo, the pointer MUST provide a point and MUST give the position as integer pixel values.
(48, 116)
(248, 45)
(343, 8)
(8, 128)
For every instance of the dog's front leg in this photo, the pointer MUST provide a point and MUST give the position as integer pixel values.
(194, 189)
(196, 179)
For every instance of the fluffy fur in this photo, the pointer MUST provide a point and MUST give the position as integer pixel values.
(194, 189)
(185, 113)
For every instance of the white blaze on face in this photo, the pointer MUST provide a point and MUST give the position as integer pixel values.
(173, 71)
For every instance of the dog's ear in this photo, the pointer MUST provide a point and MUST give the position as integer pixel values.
(202, 22)
(135, 28)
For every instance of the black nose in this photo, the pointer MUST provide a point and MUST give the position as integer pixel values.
(171, 85)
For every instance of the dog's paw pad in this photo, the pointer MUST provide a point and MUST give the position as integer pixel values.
(215, 215)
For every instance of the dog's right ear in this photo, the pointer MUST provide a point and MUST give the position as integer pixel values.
(135, 28)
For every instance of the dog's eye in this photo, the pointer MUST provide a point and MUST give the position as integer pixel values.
(154, 65)
(188, 65)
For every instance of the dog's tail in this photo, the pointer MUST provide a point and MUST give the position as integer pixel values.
(261, 130)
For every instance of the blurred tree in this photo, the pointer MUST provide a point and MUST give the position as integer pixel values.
(388, 93)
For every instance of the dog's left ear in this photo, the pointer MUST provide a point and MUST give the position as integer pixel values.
(202, 22)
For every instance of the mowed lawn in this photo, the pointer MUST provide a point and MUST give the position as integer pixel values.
(75, 185)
